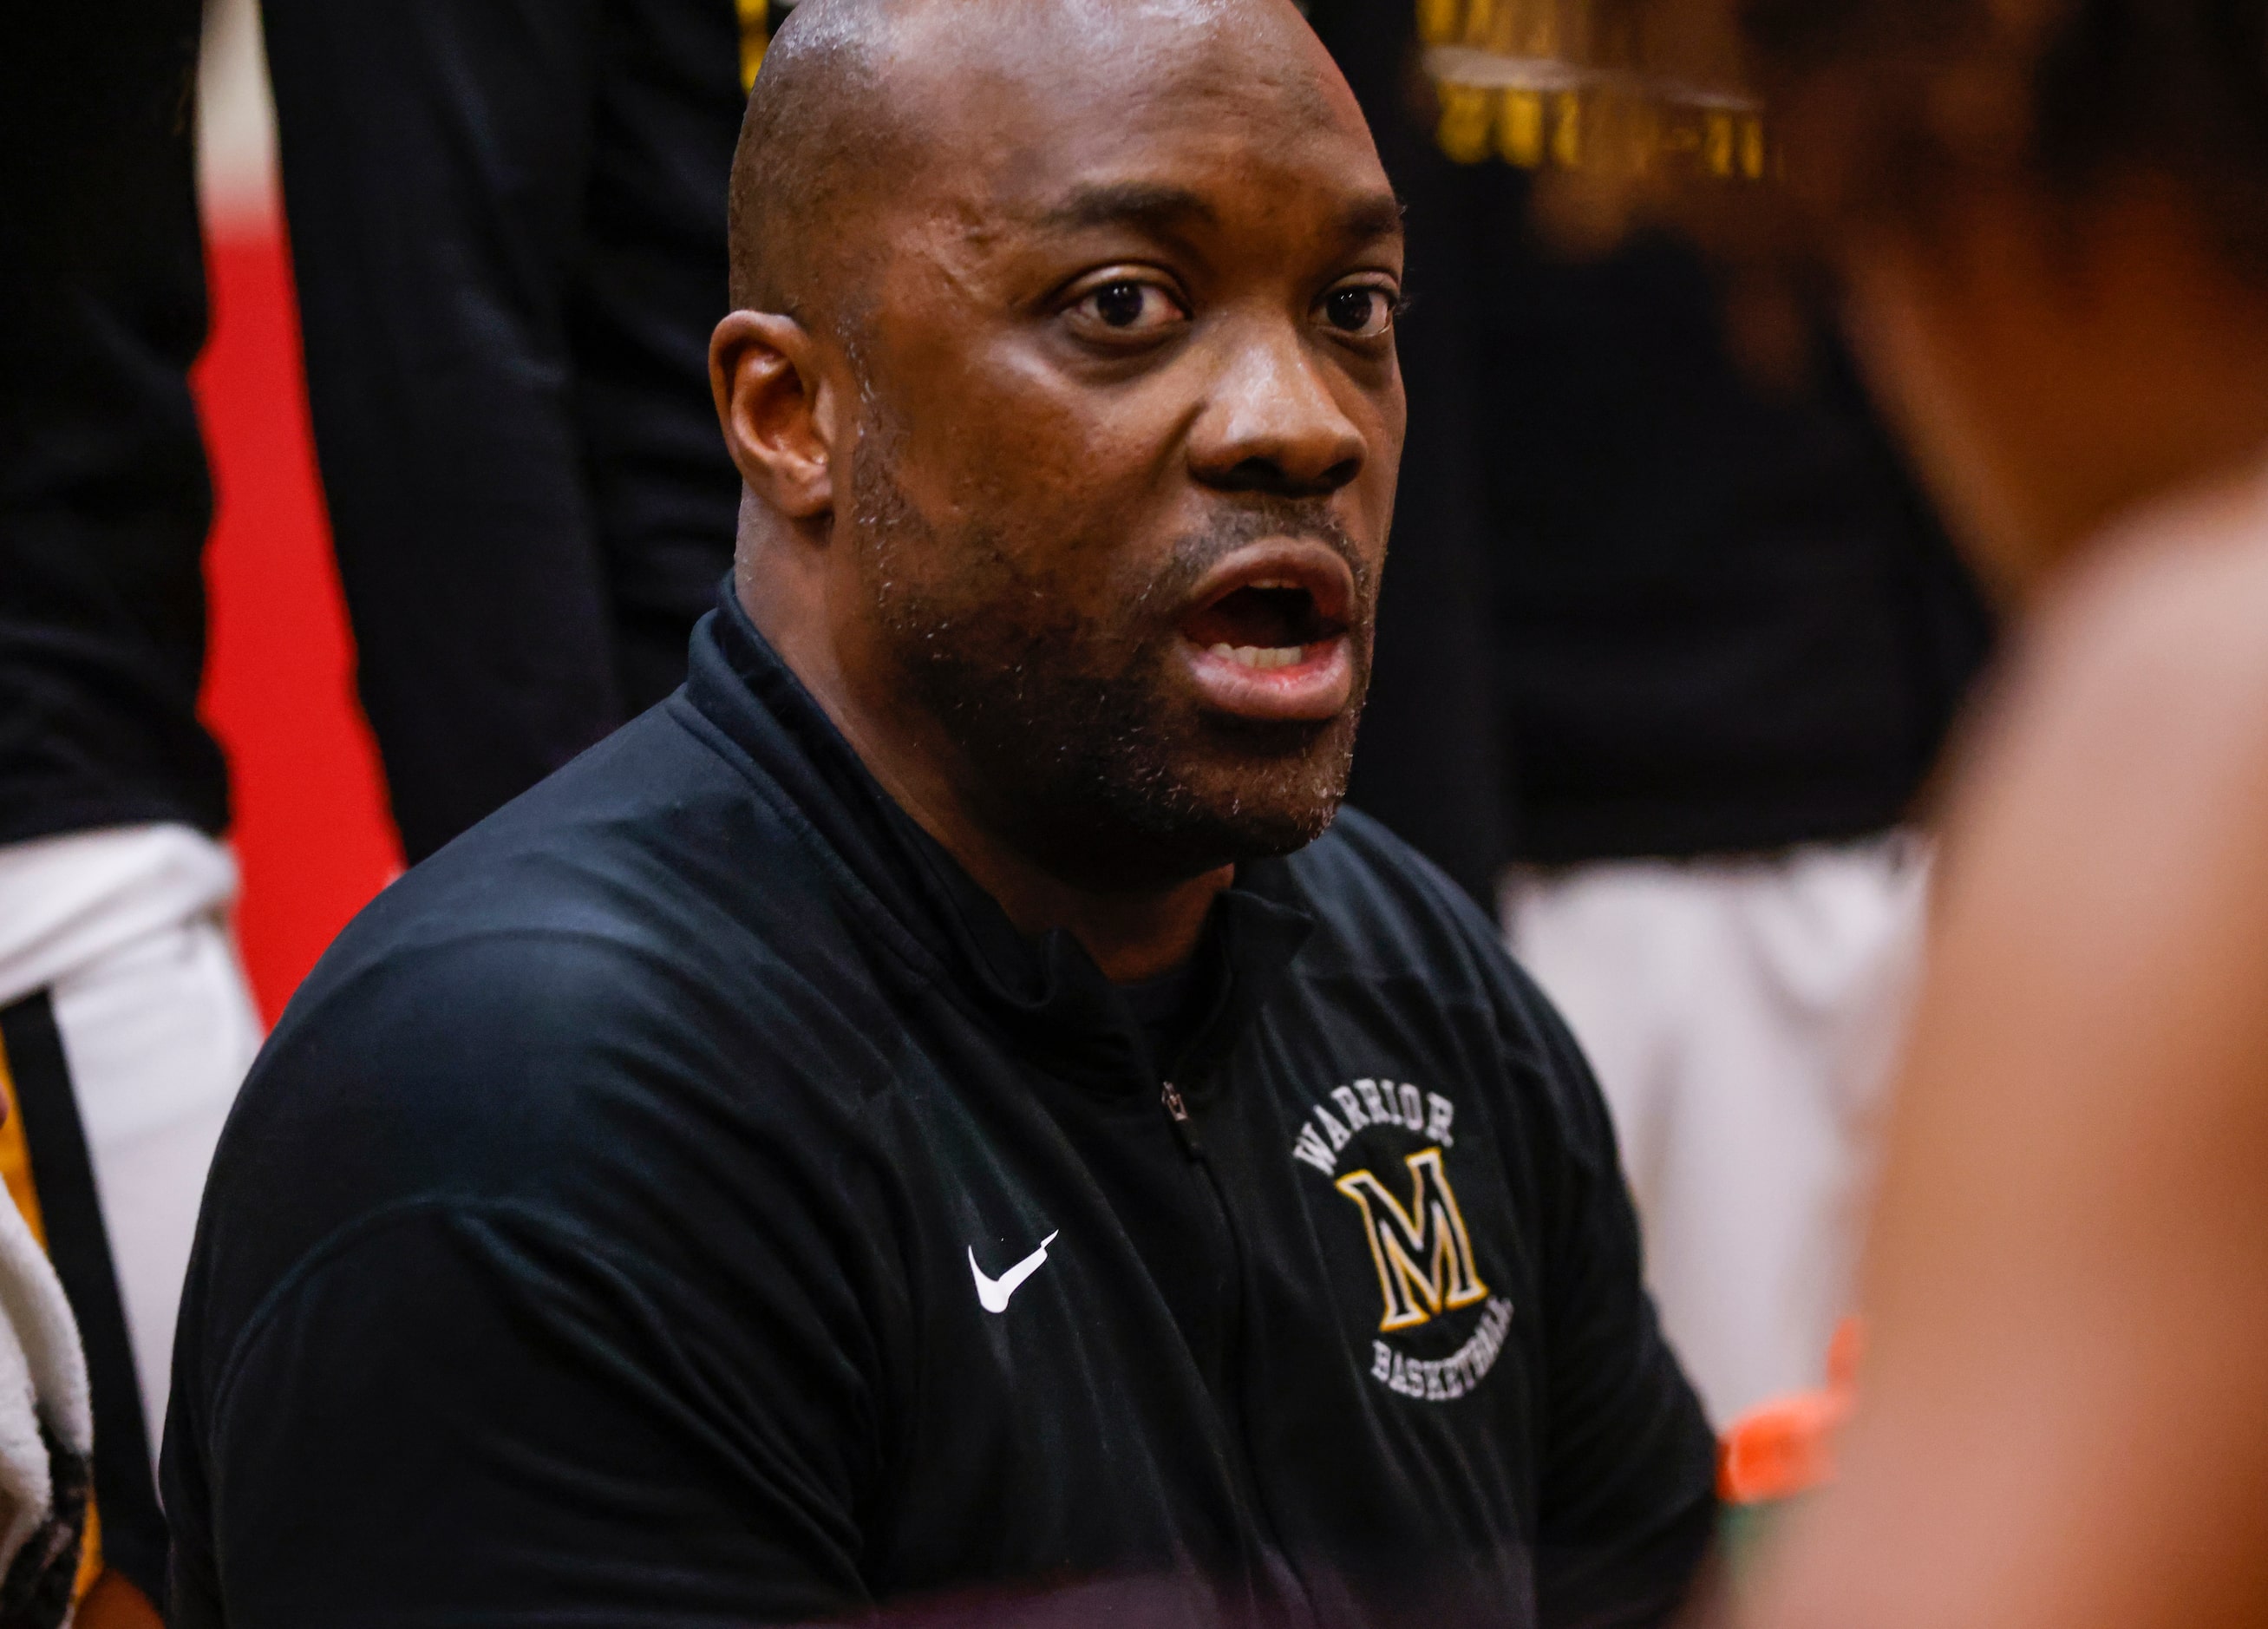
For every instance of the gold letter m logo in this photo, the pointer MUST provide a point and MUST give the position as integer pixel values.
(1424, 1256)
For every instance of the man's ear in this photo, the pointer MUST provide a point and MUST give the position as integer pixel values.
(763, 371)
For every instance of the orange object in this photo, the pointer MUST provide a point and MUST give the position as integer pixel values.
(1786, 1447)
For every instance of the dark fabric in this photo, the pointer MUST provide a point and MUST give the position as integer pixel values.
(1725, 619)
(1431, 761)
(508, 224)
(78, 1247)
(104, 499)
(603, 1237)
(1638, 604)
(1170, 1010)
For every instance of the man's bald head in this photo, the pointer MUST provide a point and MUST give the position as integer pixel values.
(1063, 378)
(857, 97)
(816, 122)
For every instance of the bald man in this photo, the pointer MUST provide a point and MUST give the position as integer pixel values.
(928, 1110)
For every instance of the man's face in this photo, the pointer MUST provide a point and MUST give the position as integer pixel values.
(1128, 421)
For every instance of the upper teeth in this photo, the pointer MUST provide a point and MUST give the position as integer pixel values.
(1274, 582)
(1260, 656)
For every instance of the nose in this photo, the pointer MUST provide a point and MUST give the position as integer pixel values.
(1272, 424)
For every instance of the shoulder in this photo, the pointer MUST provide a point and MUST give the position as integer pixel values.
(2074, 1160)
(1383, 906)
(2134, 717)
(647, 885)
(1390, 919)
(2103, 919)
(605, 995)
(651, 835)
(2170, 610)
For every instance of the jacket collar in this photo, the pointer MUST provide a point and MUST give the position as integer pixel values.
(1045, 993)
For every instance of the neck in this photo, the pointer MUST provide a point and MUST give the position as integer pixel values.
(2195, 421)
(1132, 934)
(2073, 365)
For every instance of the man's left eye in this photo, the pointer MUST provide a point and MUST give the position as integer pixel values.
(1360, 312)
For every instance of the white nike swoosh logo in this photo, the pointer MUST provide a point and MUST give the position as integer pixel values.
(993, 1293)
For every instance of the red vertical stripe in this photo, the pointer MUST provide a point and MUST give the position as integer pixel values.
(311, 828)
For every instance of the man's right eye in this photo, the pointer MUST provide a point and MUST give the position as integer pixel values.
(1129, 307)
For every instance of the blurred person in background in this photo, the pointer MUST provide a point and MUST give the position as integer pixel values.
(507, 225)
(125, 1025)
(2052, 219)
(1678, 647)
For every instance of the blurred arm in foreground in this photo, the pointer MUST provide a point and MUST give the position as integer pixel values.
(2052, 218)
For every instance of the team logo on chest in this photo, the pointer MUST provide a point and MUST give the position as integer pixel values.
(1421, 1248)
(1423, 1255)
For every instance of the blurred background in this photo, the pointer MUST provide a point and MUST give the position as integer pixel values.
(312, 831)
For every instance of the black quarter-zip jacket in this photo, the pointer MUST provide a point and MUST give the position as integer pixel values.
(687, 1200)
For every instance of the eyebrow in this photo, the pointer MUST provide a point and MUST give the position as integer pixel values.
(1160, 207)
(1154, 206)
(1373, 215)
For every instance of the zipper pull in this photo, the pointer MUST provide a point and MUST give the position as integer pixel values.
(1177, 1114)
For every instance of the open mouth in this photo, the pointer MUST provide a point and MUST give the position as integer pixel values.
(1268, 639)
(1267, 624)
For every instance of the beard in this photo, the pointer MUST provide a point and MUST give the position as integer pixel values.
(1081, 747)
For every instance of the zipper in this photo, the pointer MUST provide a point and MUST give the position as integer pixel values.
(1275, 1568)
(1177, 1112)
(1236, 1402)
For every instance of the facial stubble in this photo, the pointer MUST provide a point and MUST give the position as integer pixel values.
(1078, 747)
